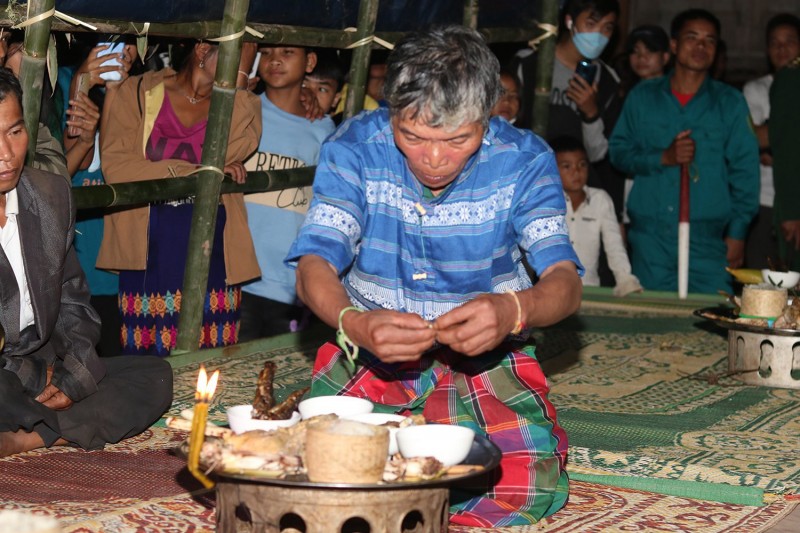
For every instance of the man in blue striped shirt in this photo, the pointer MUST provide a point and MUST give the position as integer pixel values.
(420, 218)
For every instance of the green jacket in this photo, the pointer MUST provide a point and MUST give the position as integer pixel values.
(725, 185)
(784, 139)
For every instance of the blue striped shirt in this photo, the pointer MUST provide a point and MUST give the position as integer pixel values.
(397, 250)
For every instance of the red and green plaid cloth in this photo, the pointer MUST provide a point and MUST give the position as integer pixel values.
(502, 395)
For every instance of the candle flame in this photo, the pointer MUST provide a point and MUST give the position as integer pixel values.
(202, 381)
(212, 385)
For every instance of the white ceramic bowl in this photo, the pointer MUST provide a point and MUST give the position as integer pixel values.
(240, 420)
(342, 406)
(785, 280)
(448, 443)
(378, 419)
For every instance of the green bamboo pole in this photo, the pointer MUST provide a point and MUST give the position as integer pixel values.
(471, 14)
(215, 145)
(139, 192)
(544, 70)
(359, 64)
(31, 75)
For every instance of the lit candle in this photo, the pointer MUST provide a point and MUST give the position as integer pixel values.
(203, 393)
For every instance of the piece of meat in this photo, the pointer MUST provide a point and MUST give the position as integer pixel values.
(264, 400)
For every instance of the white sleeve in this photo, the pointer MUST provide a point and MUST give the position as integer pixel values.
(594, 140)
(613, 245)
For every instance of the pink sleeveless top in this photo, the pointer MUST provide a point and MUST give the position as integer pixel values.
(172, 140)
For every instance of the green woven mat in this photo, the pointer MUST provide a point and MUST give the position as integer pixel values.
(627, 383)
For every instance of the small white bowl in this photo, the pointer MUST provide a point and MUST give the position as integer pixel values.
(448, 443)
(240, 420)
(784, 280)
(341, 406)
(379, 419)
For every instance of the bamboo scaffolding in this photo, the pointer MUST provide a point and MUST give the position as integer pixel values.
(359, 63)
(121, 194)
(209, 183)
(471, 14)
(544, 70)
(31, 75)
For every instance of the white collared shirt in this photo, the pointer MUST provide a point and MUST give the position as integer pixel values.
(593, 223)
(9, 239)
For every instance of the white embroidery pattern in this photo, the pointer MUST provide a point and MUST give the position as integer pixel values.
(445, 214)
(542, 228)
(333, 217)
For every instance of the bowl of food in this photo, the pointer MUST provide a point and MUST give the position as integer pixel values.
(240, 419)
(447, 443)
(387, 420)
(341, 406)
(785, 280)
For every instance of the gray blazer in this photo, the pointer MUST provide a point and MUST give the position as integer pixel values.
(67, 327)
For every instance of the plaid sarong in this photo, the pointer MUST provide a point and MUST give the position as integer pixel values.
(502, 395)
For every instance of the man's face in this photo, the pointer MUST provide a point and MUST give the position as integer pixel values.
(589, 23)
(783, 46)
(696, 45)
(436, 156)
(13, 143)
(574, 170)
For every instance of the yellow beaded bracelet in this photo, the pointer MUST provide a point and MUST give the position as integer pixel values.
(520, 324)
(349, 348)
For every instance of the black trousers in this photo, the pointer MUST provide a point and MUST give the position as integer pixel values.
(134, 393)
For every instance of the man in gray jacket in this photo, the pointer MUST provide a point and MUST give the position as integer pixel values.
(54, 389)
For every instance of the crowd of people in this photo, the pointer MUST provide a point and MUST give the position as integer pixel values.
(438, 231)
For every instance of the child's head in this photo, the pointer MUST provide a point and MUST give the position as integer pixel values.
(326, 80)
(648, 51)
(284, 67)
(573, 165)
(507, 105)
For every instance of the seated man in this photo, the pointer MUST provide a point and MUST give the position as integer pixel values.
(413, 247)
(54, 389)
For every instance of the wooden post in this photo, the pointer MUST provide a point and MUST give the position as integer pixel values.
(34, 60)
(544, 69)
(215, 146)
(471, 14)
(359, 64)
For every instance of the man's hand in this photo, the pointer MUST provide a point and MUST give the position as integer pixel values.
(584, 95)
(735, 255)
(391, 336)
(680, 151)
(52, 397)
(479, 325)
(310, 103)
(791, 232)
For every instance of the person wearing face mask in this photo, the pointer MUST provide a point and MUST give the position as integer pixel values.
(585, 110)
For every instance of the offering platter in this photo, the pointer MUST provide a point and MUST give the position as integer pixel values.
(758, 355)
(276, 504)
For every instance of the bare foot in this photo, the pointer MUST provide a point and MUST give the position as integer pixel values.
(13, 442)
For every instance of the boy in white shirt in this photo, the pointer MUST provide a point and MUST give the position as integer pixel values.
(591, 219)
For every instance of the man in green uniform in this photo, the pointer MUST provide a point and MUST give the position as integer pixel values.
(784, 138)
(688, 118)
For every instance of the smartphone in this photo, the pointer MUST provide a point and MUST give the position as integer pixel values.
(113, 48)
(587, 70)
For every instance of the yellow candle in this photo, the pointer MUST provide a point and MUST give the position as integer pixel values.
(203, 394)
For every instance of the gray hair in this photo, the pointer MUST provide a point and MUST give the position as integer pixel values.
(445, 75)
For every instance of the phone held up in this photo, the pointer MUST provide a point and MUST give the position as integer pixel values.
(587, 70)
(113, 48)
